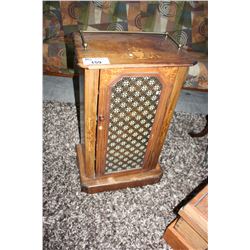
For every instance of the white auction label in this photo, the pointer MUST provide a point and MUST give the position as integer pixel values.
(95, 61)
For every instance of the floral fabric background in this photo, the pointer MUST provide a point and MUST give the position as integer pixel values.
(187, 21)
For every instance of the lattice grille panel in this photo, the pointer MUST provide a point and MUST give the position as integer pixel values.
(133, 105)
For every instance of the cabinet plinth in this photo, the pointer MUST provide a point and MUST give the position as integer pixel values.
(125, 107)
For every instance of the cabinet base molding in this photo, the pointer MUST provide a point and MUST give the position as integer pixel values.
(114, 182)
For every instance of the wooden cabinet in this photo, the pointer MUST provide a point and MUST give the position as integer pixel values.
(126, 106)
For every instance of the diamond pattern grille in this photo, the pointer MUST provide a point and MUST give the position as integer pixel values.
(133, 105)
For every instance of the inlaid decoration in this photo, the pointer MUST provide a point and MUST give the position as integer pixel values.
(133, 106)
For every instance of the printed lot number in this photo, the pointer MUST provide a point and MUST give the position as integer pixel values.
(94, 61)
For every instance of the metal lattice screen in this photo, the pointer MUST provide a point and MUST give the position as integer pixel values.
(133, 105)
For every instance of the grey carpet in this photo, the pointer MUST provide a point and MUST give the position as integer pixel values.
(133, 218)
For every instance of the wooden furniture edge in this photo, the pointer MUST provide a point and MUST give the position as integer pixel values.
(194, 217)
(80, 160)
(174, 239)
(110, 183)
(190, 235)
(90, 113)
(200, 196)
(127, 66)
(196, 220)
(191, 195)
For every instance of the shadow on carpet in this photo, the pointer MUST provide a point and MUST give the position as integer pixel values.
(133, 218)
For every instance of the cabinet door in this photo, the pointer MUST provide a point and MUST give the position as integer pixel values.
(132, 105)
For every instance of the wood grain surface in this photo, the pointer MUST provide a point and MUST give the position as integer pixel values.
(91, 79)
(108, 77)
(196, 213)
(168, 112)
(129, 55)
(130, 50)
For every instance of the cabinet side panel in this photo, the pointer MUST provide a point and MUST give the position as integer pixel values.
(91, 81)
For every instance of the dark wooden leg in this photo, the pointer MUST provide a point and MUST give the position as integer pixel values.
(202, 133)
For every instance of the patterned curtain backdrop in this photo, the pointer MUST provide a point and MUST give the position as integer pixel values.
(187, 21)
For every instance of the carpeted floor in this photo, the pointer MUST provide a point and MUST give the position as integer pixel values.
(127, 219)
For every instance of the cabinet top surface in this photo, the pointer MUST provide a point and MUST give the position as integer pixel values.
(129, 50)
